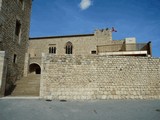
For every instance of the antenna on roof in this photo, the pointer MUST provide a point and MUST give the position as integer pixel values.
(113, 30)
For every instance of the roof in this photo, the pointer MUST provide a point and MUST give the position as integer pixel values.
(64, 36)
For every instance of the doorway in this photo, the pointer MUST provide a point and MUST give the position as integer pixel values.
(34, 69)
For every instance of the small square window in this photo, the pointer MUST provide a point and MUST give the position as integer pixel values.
(52, 48)
(93, 52)
(21, 1)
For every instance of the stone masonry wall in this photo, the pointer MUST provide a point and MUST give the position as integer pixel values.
(100, 77)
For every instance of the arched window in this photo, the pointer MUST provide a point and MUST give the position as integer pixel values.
(69, 48)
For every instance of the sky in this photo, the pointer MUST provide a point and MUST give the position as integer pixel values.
(131, 18)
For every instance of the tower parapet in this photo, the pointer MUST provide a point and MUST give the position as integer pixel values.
(103, 36)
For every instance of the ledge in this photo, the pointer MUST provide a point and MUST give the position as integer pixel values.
(125, 53)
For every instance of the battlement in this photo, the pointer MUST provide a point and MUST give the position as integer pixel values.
(103, 32)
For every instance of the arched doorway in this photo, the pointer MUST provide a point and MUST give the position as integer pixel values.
(34, 69)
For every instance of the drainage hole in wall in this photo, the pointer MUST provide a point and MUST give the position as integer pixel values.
(48, 100)
(63, 100)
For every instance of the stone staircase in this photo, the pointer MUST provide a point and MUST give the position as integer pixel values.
(27, 86)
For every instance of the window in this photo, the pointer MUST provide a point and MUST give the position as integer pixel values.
(18, 28)
(23, 5)
(93, 52)
(14, 58)
(21, 1)
(18, 31)
(52, 50)
(69, 48)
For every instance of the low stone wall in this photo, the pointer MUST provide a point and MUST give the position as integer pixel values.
(2, 73)
(100, 77)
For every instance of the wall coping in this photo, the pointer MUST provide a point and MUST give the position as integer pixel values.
(108, 56)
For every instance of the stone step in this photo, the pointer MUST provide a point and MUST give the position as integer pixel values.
(26, 88)
(23, 83)
(28, 80)
(25, 94)
(28, 83)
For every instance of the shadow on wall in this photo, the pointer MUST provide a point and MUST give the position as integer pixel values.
(10, 90)
(34, 69)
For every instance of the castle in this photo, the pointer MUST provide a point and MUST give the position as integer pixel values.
(85, 66)
(99, 43)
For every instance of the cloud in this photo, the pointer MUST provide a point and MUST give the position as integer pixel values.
(85, 4)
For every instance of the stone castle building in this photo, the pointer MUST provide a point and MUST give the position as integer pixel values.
(99, 43)
(14, 35)
(93, 66)
(79, 67)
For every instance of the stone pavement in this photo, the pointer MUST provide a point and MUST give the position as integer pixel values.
(35, 109)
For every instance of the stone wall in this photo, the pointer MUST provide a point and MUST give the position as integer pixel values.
(100, 77)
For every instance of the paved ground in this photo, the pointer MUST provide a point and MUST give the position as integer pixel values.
(83, 110)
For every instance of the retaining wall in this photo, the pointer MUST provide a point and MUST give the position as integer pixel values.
(100, 77)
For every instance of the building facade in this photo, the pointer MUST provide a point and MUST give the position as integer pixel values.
(93, 66)
(14, 34)
(72, 67)
(99, 43)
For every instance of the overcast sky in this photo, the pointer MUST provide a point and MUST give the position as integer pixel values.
(131, 18)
